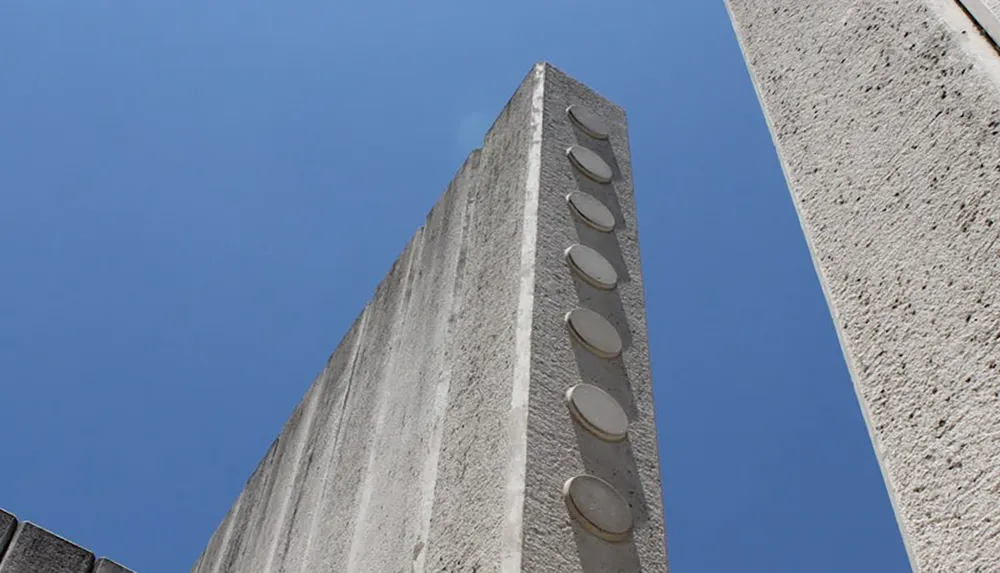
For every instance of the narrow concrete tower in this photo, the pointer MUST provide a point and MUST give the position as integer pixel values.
(886, 118)
(491, 409)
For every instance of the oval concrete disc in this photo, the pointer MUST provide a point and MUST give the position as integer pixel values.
(592, 267)
(598, 412)
(600, 509)
(591, 123)
(590, 164)
(591, 211)
(594, 332)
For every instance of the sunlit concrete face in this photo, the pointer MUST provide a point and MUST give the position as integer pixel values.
(491, 409)
(885, 117)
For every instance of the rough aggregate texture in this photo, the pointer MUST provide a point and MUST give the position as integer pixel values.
(559, 448)
(408, 453)
(8, 523)
(885, 115)
(105, 565)
(34, 550)
(986, 13)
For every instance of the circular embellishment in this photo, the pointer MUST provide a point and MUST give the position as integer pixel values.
(592, 267)
(594, 332)
(590, 163)
(598, 508)
(591, 123)
(598, 412)
(591, 211)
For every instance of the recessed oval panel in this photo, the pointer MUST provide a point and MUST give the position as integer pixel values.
(591, 211)
(597, 412)
(592, 267)
(594, 332)
(598, 507)
(590, 163)
(591, 123)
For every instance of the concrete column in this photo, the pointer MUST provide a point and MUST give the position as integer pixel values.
(885, 115)
(439, 436)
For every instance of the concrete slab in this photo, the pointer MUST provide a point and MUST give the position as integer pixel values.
(105, 565)
(35, 550)
(885, 117)
(8, 524)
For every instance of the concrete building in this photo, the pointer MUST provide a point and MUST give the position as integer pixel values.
(491, 408)
(886, 119)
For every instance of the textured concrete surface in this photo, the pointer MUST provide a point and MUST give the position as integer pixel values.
(437, 439)
(8, 524)
(105, 565)
(986, 13)
(886, 115)
(558, 447)
(35, 550)
(31, 549)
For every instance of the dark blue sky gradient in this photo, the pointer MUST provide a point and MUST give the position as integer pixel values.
(199, 197)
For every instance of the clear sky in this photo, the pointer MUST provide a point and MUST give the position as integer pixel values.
(199, 197)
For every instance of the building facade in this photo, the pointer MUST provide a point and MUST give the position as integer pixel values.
(886, 119)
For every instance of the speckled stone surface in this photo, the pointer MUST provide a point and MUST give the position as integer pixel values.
(558, 447)
(8, 524)
(986, 13)
(105, 565)
(425, 446)
(35, 550)
(886, 119)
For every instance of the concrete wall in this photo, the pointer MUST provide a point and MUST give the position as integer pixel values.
(886, 116)
(27, 548)
(436, 439)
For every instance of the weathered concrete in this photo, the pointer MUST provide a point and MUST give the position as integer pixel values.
(31, 549)
(8, 524)
(885, 116)
(986, 13)
(105, 565)
(35, 550)
(438, 438)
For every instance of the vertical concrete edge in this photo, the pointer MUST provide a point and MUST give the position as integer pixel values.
(7, 533)
(851, 367)
(985, 16)
(511, 544)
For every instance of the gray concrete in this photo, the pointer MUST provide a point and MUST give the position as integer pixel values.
(437, 438)
(8, 524)
(886, 115)
(35, 550)
(105, 565)
(986, 13)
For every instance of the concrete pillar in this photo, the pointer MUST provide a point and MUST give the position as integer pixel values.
(886, 118)
(443, 434)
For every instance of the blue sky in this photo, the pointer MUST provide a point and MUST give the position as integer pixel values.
(199, 197)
